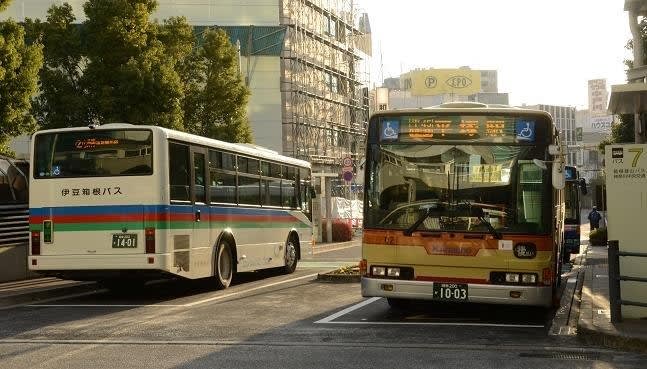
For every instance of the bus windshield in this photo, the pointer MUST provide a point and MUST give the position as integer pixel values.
(444, 183)
(97, 153)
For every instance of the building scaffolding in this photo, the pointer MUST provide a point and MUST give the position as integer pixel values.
(324, 81)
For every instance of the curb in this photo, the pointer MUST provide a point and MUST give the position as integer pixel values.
(591, 336)
(338, 278)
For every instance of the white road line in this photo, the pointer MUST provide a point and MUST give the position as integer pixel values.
(103, 305)
(215, 298)
(324, 250)
(52, 299)
(461, 324)
(330, 318)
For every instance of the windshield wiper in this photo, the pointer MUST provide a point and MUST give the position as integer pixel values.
(489, 226)
(409, 231)
(480, 214)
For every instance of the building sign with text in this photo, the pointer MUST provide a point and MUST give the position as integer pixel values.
(626, 181)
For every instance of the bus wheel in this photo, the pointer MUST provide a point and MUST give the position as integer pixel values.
(290, 256)
(224, 266)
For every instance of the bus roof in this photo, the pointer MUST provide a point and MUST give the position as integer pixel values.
(462, 107)
(245, 149)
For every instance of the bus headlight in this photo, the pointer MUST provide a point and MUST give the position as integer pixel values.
(378, 271)
(393, 272)
(528, 278)
(512, 277)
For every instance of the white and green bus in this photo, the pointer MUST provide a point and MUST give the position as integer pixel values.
(128, 202)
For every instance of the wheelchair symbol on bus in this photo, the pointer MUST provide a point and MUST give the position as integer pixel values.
(390, 130)
(525, 131)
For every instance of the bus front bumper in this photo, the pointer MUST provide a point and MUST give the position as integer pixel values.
(477, 293)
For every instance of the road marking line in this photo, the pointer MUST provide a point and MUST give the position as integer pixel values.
(82, 294)
(330, 318)
(450, 324)
(215, 298)
(316, 252)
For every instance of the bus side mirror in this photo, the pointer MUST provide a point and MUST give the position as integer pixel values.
(583, 186)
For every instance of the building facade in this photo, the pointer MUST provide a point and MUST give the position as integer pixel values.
(564, 118)
(305, 62)
(421, 88)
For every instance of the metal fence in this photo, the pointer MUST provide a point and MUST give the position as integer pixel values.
(615, 300)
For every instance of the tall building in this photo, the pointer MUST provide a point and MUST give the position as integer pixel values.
(305, 62)
(420, 88)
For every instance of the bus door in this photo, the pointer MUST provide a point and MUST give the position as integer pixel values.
(201, 243)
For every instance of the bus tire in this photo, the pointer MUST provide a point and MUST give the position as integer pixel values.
(291, 256)
(224, 268)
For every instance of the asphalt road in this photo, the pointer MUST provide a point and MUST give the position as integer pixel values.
(269, 320)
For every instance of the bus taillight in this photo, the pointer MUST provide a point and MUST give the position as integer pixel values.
(547, 276)
(150, 240)
(363, 267)
(35, 242)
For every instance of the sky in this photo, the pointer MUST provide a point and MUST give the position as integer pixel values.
(545, 51)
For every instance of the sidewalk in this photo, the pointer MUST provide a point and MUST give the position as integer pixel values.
(594, 325)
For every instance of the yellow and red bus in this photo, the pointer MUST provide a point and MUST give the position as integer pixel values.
(463, 203)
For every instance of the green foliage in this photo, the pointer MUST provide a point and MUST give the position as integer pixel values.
(19, 65)
(216, 98)
(622, 132)
(61, 102)
(598, 237)
(630, 44)
(4, 4)
(132, 79)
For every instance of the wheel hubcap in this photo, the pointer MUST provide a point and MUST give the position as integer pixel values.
(224, 264)
(290, 253)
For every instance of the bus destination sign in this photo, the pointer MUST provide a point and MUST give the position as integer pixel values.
(475, 128)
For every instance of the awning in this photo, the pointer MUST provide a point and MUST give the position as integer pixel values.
(629, 98)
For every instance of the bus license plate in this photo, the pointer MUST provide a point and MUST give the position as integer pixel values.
(450, 291)
(124, 240)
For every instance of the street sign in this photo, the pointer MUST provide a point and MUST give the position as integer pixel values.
(347, 169)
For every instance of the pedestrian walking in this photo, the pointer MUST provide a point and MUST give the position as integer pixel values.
(594, 218)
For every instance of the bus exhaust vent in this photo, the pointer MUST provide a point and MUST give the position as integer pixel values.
(562, 355)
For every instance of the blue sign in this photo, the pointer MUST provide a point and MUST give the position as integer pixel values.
(525, 130)
(570, 173)
(390, 130)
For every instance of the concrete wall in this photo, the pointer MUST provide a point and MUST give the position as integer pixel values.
(198, 12)
(264, 108)
(13, 262)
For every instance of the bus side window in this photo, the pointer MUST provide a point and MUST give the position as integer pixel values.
(179, 174)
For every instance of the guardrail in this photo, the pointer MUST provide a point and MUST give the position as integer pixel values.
(615, 300)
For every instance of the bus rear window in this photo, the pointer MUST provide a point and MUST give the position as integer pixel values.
(97, 153)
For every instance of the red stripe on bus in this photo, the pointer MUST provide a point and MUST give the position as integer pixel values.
(428, 241)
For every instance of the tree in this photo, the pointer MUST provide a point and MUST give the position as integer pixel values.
(622, 132)
(19, 66)
(61, 102)
(132, 79)
(216, 97)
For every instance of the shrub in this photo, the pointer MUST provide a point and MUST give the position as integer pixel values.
(341, 231)
(598, 237)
